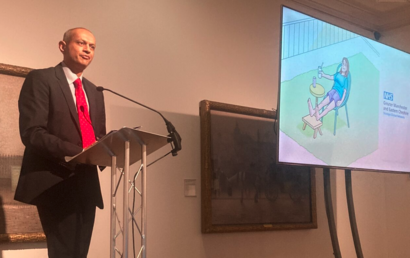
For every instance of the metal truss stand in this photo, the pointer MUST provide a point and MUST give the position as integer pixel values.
(330, 215)
(119, 150)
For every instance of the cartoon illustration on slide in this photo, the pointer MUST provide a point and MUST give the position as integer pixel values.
(335, 99)
(329, 92)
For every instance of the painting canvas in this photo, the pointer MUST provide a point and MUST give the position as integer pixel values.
(19, 222)
(243, 188)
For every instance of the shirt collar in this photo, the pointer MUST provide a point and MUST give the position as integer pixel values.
(71, 77)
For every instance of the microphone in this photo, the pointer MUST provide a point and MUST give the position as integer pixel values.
(175, 137)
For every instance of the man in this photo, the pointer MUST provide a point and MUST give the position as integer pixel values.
(61, 112)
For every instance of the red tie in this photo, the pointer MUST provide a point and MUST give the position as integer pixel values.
(87, 131)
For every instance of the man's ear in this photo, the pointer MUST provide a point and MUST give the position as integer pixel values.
(62, 45)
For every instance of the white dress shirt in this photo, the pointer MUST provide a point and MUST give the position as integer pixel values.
(71, 77)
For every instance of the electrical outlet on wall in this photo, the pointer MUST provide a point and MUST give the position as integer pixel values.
(190, 187)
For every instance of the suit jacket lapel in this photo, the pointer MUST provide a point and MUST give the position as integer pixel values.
(62, 80)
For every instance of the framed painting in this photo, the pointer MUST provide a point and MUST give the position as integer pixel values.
(242, 186)
(19, 222)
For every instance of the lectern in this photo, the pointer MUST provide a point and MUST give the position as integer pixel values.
(120, 149)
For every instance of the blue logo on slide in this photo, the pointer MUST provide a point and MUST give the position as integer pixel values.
(388, 96)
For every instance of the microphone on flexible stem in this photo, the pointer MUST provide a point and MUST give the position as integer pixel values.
(175, 137)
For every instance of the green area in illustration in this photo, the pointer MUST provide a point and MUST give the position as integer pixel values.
(349, 144)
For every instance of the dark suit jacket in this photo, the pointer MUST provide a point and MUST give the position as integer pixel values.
(50, 130)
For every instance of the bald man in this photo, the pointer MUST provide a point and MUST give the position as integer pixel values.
(61, 113)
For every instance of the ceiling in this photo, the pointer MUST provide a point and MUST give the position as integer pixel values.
(373, 15)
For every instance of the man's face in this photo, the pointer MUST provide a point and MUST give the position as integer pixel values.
(78, 52)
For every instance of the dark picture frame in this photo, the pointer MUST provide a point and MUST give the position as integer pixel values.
(19, 222)
(242, 186)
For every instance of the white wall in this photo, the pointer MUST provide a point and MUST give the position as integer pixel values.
(171, 55)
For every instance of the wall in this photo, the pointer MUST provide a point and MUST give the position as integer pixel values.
(171, 55)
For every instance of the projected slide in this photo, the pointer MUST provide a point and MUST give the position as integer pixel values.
(344, 99)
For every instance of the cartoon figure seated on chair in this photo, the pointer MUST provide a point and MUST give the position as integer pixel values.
(337, 96)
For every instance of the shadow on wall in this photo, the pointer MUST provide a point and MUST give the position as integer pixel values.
(2, 218)
(2, 223)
